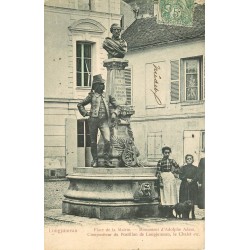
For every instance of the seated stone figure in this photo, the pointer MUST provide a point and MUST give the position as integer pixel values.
(115, 46)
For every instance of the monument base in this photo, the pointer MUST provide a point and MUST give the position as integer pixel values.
(112, 193)
(110, 211)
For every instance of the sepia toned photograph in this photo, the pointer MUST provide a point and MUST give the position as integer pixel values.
(124, 124)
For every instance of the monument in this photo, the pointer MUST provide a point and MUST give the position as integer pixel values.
(124, 151)
(117, 186)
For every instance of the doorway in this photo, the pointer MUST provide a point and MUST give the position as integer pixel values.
(194, 144)
(83, 144)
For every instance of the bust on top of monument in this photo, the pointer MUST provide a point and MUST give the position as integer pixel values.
(115, 46)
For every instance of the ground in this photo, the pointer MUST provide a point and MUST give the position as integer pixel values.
(53, 193)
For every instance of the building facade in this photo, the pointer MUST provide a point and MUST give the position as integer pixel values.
(74, 33)
(168, 79)
(165, 80)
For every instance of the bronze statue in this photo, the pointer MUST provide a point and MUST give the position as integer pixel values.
(115, 46)
(99, 118)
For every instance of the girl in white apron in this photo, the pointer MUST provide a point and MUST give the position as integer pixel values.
(167, 172)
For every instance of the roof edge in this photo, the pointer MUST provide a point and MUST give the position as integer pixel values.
(164, 43)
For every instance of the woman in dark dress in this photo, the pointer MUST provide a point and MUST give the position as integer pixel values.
(167, 172)
(201, 183)
(189, 187)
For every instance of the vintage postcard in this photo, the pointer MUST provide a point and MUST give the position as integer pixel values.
(124, 132)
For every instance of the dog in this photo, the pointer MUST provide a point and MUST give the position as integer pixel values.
(183, 210)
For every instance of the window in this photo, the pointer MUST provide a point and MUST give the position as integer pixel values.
(83, 135)
(192, 80)
(154, 143)
(83, 64)
(122, 22)
(53, 173)
(187, 80)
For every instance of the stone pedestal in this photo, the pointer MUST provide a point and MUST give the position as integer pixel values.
(112, 193)
(115, 85)
(123, 149)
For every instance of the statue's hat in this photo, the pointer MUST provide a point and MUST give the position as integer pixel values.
(98, 79)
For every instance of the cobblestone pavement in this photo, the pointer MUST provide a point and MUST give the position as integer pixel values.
(53, 193)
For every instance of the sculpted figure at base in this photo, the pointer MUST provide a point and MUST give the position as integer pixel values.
(99, 117)
(115, 46)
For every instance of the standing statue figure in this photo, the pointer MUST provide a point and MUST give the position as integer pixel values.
(99, 118)
(115, 46)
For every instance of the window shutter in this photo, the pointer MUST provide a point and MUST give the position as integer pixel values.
(154, 145)
(175, 83)
(128, 84)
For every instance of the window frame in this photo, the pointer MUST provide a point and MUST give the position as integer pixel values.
(198, 73)
(181, 86)
(85, 134)
(183, 61)
(89, 84)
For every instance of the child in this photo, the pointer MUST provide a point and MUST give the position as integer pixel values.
(189, 187)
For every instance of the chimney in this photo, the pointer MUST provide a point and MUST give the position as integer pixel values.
(136, 10)
(156, 7)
